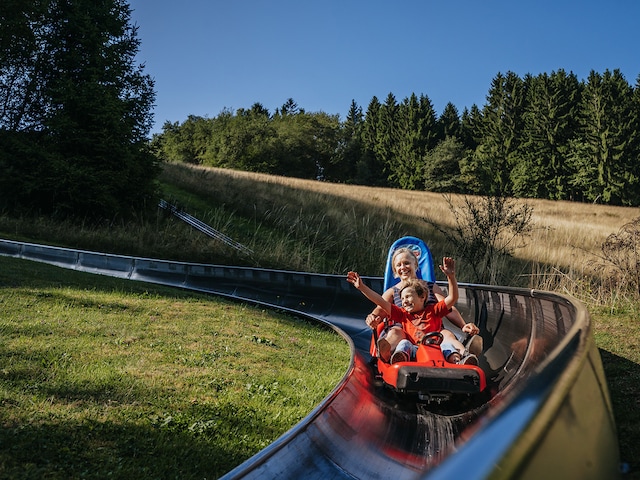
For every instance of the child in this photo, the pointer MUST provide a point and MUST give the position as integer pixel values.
(417, 316)
(405, 265)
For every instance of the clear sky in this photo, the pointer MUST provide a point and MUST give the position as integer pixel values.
(207, 55)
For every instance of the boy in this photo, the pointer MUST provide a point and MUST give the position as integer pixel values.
(417, 317)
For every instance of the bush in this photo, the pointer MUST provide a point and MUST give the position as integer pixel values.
(621, 253)
(487, 231)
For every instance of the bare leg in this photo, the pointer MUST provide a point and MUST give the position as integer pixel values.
(448, 336)
(389, 342)
(458, 355)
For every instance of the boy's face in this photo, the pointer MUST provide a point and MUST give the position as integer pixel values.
(411, 301)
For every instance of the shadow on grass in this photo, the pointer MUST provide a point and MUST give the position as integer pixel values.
(104, 450)
(623, 378)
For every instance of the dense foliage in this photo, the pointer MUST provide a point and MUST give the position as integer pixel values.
(546, 136)
(75, 109)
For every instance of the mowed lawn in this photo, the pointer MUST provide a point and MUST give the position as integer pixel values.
(108, 378)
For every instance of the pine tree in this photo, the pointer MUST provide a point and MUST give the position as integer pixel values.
(343, 167)
(91, 114)
(409, 148)
(429, 128)
(386, 136)
(370, 168)
(470, 127)
(543, 169)
(603, 154)
(501, 130)
(449, 123)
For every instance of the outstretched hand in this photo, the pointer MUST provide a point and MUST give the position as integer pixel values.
(448, 266)
(354, 279)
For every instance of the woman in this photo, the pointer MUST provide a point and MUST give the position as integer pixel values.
(405, 267)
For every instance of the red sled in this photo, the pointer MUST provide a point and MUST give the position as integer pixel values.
(430, 377)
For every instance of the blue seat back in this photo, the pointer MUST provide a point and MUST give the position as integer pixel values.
(425, 271)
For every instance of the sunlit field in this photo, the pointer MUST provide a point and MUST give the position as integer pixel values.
(304, 225)
(566, 236)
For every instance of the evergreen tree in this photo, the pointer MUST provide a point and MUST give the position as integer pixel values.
(386, 138)
(429, 129)
(603, 154)
(343, 167)
(22, 105)
(370, 169)
(470, 127)
(501, 130)
(543, 169)
(409, 149)
(549, 136)
(634, 148)
(290, 107)
(470, 136)
(86, 105)
(449, 123)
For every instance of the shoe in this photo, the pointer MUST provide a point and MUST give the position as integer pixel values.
(454, 357)
(469, 359)
(475, 345)
(399, 356)
(384, 350)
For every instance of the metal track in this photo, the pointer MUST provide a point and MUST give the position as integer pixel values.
(549, 414)
(203, 227)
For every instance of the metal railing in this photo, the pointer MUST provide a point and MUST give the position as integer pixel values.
(203, 227)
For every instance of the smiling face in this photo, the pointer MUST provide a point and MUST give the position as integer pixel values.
(412, 299)
(405, 264)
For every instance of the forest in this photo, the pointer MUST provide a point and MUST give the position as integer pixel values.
(76, 112)
(549, 136)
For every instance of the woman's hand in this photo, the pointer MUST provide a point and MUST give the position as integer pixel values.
(471, 329)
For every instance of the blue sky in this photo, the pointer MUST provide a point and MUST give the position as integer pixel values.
(207, 55)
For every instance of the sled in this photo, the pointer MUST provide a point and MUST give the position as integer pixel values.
(430, 377)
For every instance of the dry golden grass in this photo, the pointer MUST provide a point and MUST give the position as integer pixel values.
(565, 235)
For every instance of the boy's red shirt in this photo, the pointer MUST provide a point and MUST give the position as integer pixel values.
(417, 324)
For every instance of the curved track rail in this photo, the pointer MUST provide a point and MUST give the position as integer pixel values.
(549, 412)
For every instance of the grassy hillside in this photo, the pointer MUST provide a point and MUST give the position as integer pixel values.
(313, 226)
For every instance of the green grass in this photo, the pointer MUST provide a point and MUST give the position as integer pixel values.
(102, 377)
(617, 334)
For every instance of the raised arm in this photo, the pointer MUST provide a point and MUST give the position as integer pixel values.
(448, 267)
(454, 315)
(378, 314)
(354, 279)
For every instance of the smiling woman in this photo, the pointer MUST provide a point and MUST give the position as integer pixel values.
(145, 380)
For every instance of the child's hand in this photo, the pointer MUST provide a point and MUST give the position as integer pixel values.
(448, 266)
(354, 279)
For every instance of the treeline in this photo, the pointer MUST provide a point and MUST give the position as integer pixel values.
(547, 136)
